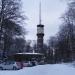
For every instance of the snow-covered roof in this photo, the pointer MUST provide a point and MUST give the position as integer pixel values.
(29, 53)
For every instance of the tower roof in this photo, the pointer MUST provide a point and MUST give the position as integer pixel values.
(40, 25)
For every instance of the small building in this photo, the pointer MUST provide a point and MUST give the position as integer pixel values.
(28, 57)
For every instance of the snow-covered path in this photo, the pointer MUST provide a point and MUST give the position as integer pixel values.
(58, 69)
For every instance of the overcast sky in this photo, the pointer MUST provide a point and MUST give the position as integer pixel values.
(51, 13)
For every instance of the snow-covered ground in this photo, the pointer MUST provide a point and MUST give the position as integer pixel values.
(57, 69)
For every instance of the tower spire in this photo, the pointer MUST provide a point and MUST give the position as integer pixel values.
(40, 13)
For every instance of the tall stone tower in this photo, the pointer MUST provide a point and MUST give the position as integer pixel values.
(40, 33)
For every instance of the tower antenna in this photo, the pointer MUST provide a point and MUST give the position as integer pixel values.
(40, 13)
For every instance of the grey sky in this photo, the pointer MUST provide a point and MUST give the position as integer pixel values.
(51, 12)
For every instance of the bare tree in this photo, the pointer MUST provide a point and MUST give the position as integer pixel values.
(66, 34)
(9, 11)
